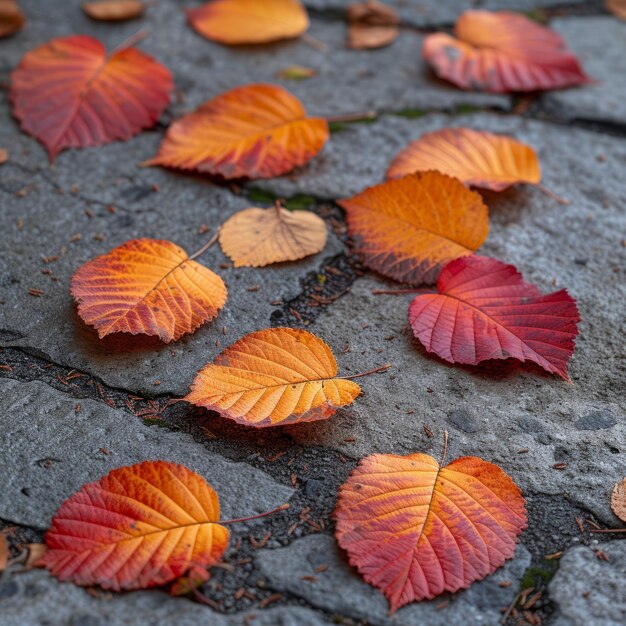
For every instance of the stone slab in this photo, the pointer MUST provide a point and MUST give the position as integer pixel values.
(37, 599)
(284, 568)
(524, 420)
(589, 590)
(45, 223)
(38, 423)
(600, 44)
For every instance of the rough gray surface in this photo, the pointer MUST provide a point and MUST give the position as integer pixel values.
(572, 160)
(512, 414)
(37, 599)
(600, 44)
(589, 590)
(430, 13)
(40, 423)
(284, 569)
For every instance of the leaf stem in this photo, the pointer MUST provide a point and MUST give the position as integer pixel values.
(553, 195)
(445, 447)
(200, 597)
(206, 246)
(131, 41)
(608, 530)
(353, 117)
(282, 507)
(382, 368)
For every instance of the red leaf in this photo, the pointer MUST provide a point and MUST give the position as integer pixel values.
(69, 93)
(485, 310)
(502, 52)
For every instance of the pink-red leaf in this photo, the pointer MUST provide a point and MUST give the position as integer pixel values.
(414, 529)
(502, 52)
(68, 93)
(485, 310)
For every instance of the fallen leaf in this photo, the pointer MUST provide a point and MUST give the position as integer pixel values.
(476, 158)
(415, 530)
(618, 500)
(502, 52)
(256, 131)
(258, 237)
(235, 22)
(35, 554)
(11, 18)
(4, 553)
(485, 310)
(4, 156)
(617, 8)
(371, 24)
(114, 10)
(137, 527)
(68, 93)
(296, 72)
(147, 286)
(273, 377)
(409, 228)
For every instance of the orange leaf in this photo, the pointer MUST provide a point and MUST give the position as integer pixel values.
(502, 52)
(69, 94)
(4, 156)
(476, 158)
(4, 553)
(257, 237)
(11, 18)
(618, 500)
(371, 24)
(273, 377)
(137, 527)
(258, 131)
(147, 286)
(234, 22)
(415, 530)
(409, 228)
(114, 10)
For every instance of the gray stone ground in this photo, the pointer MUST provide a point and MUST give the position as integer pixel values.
(65, 415)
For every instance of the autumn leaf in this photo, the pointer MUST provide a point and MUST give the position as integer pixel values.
(147, 286)
(618, 500)
(256, 131)
(273, 377)
(69, 94)
(371, 24)
(4, 553)
(11, 18)
(114, 10)
(485, 310)
(258, 237)
(476, 158)
(234, 22)
(137, 527)
(617, 8)
(502, 52)
(414, 529)
(4, 156)
(409, 228)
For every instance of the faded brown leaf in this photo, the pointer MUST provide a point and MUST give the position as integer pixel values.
(371, 24)
(11, 18)
(618, 500)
